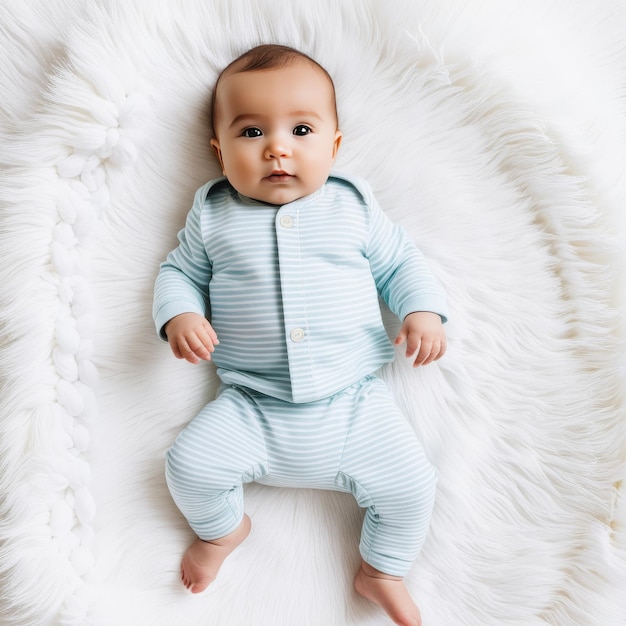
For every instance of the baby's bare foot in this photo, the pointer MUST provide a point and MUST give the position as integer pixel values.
(390, 593)
(203, 559)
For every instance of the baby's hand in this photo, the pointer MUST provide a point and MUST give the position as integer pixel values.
(425, 337)
(191, 337)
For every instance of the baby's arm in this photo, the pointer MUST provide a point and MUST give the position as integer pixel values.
(191, 337)
(182, 289)
(424, 335)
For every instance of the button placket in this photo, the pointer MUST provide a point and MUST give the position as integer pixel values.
(288, 224)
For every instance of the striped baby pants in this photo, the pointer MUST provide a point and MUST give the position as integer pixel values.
(355, 441)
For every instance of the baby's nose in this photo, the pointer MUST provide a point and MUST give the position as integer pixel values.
(277, 148)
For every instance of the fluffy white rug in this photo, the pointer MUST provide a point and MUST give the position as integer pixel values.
(494, 131)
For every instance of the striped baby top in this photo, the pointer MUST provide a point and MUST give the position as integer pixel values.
(292, 291)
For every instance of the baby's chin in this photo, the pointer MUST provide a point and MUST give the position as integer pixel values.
(278, 193)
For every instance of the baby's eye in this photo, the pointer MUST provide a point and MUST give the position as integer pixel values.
(252, 132)
(301, 130)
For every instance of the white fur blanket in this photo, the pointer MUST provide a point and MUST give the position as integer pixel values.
(494, 131)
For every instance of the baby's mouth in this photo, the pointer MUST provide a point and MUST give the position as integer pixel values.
(279, 176)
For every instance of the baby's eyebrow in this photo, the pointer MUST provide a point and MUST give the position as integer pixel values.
(245, 116)
(306, 114)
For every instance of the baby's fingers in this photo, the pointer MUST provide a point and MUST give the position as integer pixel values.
(422, 352)
(186, 349)
(194, 348)
(413, 342)
(210, 336)
(203, 344)
(432, 352)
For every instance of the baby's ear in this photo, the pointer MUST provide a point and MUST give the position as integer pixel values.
(215, 144)
(337, 142)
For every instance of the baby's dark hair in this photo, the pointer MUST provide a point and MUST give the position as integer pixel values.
(265, 57)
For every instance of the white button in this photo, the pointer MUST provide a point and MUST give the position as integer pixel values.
(297, 335)
(286, 221)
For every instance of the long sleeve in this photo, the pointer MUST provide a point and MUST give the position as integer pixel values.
(183, 280)
(401, 273)
(400, 270)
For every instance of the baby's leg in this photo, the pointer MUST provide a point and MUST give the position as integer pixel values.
(210, 460)
(386, 469)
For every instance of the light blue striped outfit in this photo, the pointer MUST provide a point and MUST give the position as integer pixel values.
(292, 293)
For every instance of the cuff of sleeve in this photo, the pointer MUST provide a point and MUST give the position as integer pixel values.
(432, 304)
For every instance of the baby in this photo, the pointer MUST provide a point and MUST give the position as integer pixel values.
(287, 261)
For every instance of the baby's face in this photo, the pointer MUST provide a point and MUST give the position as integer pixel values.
(276, 131)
